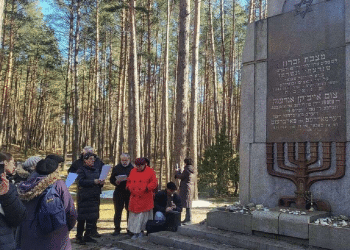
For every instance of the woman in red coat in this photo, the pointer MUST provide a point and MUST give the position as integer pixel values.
(141, 182)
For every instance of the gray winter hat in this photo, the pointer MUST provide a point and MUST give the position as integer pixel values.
(30, 163)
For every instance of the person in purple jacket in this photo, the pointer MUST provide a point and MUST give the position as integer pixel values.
(29, 236)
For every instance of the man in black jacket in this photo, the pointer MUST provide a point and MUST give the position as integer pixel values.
(121, 195)
(167, 206)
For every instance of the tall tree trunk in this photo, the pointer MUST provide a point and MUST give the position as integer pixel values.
(194, 94)
(214, 69)
(224, 83)
(2, 8)
(166, 99)
(232, 78)
(182, 83)
(134, 112)
(97, 81)
(75, 144)
(66, 117)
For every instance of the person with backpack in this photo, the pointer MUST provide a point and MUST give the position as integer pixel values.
(12, 211)
(88, 198)
(50, 207)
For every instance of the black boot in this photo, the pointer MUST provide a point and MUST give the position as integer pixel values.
(80, 240)
(88, 238)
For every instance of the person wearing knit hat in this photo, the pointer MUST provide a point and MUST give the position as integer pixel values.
(29, 236)
(30, 164)
(141, 182)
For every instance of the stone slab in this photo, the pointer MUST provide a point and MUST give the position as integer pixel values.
(298, 225)
(236, 239)
(265, 221)
(261, 40)
(244, 172)
(248, 54)
(260, 101)
(236, 222)
(247, 103)
(347, 21)
(329, 237)
(275, 7)
(347, 77)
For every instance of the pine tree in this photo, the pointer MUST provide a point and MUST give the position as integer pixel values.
(218, 169)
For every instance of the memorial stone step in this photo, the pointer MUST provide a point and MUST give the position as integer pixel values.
(140, 244)
(188, 242)
(237, 239)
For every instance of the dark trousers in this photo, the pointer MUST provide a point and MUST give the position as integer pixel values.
(120, 200)
(81, 227)
(173, 220)
(188, 214)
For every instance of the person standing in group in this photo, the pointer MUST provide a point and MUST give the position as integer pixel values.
(80, 162)
(12, 211)
(141, 182)
(186, 188)
(30, 235)
(121, 195)
(98, 163)
(88, 198)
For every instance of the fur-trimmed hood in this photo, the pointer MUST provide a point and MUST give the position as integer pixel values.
(34, 187)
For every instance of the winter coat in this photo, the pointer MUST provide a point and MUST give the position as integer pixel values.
(15, 213)
(186, 185)
(161, 202)
(80, 162)
(121, 170)
(88, 197)
(28, 235)
(141, 186)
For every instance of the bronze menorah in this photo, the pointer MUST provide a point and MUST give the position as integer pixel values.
(302, 157)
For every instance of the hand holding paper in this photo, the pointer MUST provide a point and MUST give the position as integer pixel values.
(104, 172)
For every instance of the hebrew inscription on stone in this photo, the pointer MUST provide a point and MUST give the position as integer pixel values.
(307, 98)
(306, 88)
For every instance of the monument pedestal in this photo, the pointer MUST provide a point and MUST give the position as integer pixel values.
(329, 237)
(235, 222)
(272, 222)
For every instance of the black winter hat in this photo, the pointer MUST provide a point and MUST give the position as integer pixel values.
(171, 185)
(46, 166)
(57, 158)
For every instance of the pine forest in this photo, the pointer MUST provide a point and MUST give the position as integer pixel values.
(154, 78)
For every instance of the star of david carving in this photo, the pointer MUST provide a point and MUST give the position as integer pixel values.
(300, 6)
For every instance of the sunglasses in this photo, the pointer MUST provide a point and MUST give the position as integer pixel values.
(87, 156)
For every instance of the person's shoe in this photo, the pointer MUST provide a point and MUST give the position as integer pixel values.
(140, 235)
(80, 241)
(96, 235)
(89, 239)
(115, 233)
(187, 222)
(135, 236)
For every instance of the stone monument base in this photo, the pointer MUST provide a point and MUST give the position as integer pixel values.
(283, 224)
